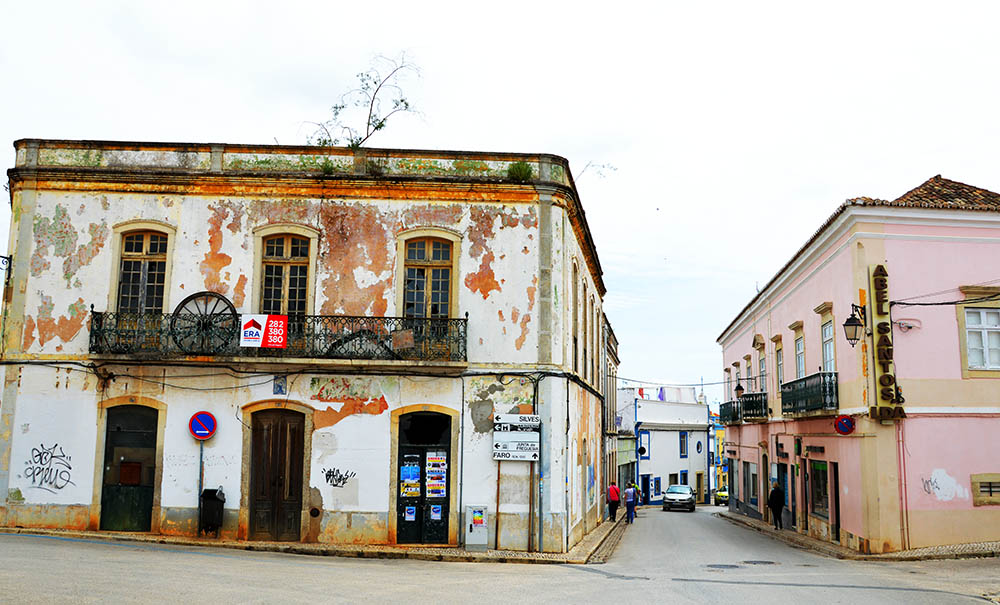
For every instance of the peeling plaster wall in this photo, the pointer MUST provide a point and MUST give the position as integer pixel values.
(72, 260)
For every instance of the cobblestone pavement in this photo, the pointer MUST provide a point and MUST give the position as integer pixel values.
(951, 551)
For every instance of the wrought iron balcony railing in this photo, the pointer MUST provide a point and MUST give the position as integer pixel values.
(754, 406)
(729, 412)
(158, 335)
(814, 392)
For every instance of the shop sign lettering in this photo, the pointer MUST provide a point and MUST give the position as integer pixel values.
(889, 399)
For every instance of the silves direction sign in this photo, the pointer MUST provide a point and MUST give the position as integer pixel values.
(202, 425)
(516, 436)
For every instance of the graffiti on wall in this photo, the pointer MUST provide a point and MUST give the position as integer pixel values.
(48, 468)
(943, 486)
(337, 478)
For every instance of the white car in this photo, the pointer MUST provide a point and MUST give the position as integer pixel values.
(679, 496)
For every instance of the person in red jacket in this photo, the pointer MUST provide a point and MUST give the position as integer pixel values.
(614, 499)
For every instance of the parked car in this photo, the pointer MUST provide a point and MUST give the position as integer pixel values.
(679, 496)
(721, 496)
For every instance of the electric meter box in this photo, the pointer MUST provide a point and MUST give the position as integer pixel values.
(476, 520)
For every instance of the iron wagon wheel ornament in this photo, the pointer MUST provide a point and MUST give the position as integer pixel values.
(204, 323)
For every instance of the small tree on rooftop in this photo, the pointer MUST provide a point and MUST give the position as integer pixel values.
(378, 97)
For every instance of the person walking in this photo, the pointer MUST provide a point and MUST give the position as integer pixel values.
(614, 499)
(630, 498)
(776, 502)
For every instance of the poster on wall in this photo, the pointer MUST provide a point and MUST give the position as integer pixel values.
(410, 514)
(409, 481)
(436, 512)
(437, 461)
(478, 517)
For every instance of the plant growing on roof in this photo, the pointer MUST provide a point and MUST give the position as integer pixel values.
(378, 97)
(520, 172)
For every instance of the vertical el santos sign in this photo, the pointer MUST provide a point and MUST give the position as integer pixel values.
(888, 400)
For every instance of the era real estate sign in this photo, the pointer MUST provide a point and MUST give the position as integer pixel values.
(267, 331)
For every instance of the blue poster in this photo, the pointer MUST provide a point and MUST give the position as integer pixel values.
(409, 473)
(411, 513)
(436, 513)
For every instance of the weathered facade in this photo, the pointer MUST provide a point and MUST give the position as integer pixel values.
(425, 292)
(880, 444)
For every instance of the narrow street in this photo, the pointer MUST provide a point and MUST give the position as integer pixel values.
(677, 557)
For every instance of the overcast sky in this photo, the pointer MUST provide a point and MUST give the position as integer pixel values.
(735, 128)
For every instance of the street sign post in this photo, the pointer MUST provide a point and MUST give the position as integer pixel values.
(517, 437)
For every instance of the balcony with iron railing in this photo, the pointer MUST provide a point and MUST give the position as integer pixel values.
(729, 412)
(809, 394)
(754, 407)
(180, 335)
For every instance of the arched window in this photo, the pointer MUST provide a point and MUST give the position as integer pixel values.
(142, 272)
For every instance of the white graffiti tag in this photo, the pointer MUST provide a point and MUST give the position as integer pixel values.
(48, 468)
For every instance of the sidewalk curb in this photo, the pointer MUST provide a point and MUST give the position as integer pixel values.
(839, 552)
(578, 555)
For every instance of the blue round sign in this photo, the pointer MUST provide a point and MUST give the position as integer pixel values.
(202, 426)
(844, 424)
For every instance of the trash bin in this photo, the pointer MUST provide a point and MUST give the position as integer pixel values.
(212, 501)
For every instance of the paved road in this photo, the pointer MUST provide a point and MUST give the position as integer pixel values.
(664, 557)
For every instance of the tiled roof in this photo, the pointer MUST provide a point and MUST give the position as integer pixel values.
(938, 192)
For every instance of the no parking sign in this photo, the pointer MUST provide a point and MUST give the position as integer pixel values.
(202, 426)
(844, 424)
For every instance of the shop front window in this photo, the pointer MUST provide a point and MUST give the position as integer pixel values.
(819, 495)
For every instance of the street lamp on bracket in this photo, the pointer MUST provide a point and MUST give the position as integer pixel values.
(855, 325)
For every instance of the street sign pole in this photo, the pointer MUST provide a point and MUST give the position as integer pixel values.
(201, 478)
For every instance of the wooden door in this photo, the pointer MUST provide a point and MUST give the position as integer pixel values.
(276, 475)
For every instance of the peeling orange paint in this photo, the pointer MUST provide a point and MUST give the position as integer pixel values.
(418, 216)
(514, 314)
(215, 261)
(500, 314)
(66, 328)
(355, 235)
(483, 280)
(524, 331)
(352, 406)
(240, 293)
(531, 292)
(29, 333)
(525, 250)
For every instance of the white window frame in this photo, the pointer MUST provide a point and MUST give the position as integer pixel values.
(800, 357)
(983, 330)
(829, 359)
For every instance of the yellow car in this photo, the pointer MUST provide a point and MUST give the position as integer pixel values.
(721, 496)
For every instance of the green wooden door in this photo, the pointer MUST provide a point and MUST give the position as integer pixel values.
(129, 469)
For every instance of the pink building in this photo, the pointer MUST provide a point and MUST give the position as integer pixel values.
(890, 442)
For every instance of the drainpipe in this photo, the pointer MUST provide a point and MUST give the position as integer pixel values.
(461, 466)
(566, 476)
